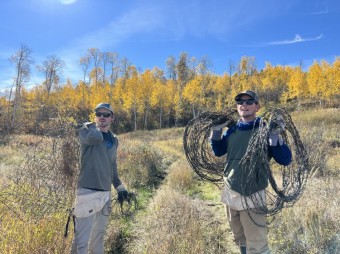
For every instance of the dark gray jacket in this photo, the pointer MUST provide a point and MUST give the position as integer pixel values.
(98, 163)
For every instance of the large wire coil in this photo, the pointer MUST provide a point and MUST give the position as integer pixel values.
(286, 182)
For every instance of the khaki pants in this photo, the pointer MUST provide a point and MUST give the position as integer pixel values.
(246, 232)
(91, 214)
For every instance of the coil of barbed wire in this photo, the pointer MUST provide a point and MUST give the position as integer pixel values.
(286, 184)
(196, 145)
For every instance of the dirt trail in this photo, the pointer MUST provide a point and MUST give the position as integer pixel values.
(210, 228)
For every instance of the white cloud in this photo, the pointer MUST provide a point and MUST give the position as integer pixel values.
(297, 39)
(322, 12)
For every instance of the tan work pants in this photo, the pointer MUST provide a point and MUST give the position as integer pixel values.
(246, 232)
(92, 211)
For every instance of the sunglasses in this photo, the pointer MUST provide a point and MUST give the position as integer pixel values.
(247, 101)
(104, 114)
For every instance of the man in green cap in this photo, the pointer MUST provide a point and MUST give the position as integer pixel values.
(248, 227)
(98, 172)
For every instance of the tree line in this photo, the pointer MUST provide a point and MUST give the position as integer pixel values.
(154, 98)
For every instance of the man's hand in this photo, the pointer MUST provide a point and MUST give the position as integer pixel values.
(216, 131)
(122, 193)
(277, 127)
(86, 126)
(221, 126)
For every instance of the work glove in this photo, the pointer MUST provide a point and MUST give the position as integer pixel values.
(122, 193)
(86, 126)
(277, 127)
(216, 130)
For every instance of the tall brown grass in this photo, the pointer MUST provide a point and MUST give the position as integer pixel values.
(312, 224)
(176, 223)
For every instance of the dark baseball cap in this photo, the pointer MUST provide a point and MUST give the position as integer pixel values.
(249, 93)
(103, 105)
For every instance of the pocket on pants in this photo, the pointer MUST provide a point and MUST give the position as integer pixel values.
(87, 205)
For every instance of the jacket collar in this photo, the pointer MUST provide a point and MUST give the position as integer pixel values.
(248, 125)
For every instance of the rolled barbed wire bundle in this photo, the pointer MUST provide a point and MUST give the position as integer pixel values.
(197, 148)
(286, 183)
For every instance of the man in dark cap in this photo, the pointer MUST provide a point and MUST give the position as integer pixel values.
(248, 227)
(98, 171)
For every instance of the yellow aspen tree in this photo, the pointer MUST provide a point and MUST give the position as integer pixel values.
(161, 98)
(267, 80)
(242, 82)
(3, 104)
(273, 82)
(3, 112)
(286, 95)
(332, 83)
(221, 92)
(118, 91)
(29, 111)
(183, 77)
(246, 70)
(315, 81)
(96, 73)
(335, 73)
(172, 99)
(69, 96)
(131, 96)
(192, 94)
(147, 85)
(36, 97)
(82, 90)
(235, 85)
(204, 84)
(256, 82)
(65, 101)
(297, 85)
(100, 93)
(211, 97)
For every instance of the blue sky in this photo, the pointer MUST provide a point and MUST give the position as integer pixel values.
(147, 32)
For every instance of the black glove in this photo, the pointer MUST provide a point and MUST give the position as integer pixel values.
(122, 195)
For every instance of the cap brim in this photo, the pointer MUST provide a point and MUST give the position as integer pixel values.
(241, 94)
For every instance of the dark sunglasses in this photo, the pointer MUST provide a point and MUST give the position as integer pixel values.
(104, 114)
(247, 101)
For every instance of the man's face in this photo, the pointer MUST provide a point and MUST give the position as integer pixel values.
(247, 112)
(103, 117)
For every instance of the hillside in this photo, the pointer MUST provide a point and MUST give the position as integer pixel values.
(177, 211)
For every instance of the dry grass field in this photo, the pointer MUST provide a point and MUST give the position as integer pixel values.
(178, 212)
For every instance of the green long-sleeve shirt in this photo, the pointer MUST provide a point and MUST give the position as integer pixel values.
(98, 161)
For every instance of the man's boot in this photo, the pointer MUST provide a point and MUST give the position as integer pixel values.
(243, 249)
